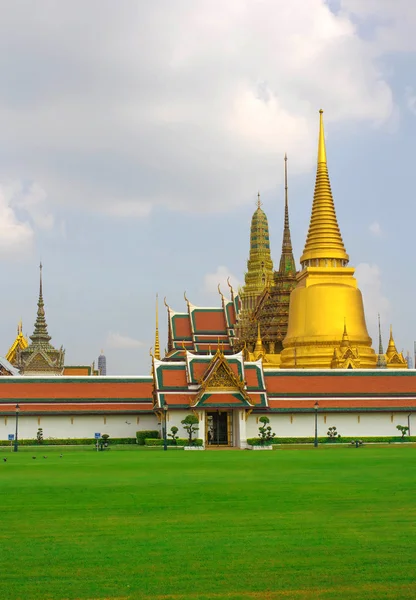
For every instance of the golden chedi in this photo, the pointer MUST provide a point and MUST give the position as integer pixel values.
(326, 294)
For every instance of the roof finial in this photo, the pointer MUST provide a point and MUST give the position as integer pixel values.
(259, 202)
(231, 289)
(157, 342)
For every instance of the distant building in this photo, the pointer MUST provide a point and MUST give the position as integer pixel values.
(102, 364)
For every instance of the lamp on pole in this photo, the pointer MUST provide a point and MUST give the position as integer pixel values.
(316, 407)
(17, 408)
(165, 439)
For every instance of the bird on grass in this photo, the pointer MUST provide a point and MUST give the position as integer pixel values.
(60, 456)
(5, 459)
(33, 457)
(45, 457)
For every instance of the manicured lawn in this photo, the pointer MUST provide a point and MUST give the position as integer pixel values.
(293, 523)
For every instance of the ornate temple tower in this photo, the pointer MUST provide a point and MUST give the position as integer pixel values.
(259, 275)
(259, 265)
(40, 357)
(326, 294)
(272, 311)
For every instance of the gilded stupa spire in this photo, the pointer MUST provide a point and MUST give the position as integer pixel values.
(324, 246)
(287, 262)
(157, 341)
(40, 334)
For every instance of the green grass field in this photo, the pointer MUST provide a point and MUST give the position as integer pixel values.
(293, 523)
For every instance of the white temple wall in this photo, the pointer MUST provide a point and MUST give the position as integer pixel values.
(347, 424)
(283, 425)
(77, 426)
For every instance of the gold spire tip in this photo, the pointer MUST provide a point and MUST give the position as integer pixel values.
(321, 143)
(259, 202)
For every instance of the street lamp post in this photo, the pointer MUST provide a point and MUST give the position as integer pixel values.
(165, 437)
(316, 407)
(17, 426)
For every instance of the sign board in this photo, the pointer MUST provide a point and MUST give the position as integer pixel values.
(97, 436)
(10, 437)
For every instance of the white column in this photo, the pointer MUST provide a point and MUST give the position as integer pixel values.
(242, 435)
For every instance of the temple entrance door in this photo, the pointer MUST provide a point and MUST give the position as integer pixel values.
(219, 428)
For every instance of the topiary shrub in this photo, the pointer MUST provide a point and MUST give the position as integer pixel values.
(174, 430)
(265, 431)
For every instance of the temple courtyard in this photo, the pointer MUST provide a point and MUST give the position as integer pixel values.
(301, 523)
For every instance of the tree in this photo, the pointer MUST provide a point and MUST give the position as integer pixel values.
(39, 436)
(403, 430)
(190, 425)
(173, 435)
(265, 431)
(333, 434)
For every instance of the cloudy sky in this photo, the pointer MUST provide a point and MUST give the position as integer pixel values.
(135, 135)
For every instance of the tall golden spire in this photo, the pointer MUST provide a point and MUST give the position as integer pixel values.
(157, 342)
(324, 246)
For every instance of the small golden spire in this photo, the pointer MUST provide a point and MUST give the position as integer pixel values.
(345, 339)
(324, 243)
(259, 344)
(157, 342)
(391, 348)
(259, 202)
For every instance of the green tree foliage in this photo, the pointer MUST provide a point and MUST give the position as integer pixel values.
(403, 429)
(333, 434)
(39, 436)
(190, 425)
(174, 430)
(265, 432)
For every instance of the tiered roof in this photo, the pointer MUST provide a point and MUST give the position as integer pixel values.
(201, 329)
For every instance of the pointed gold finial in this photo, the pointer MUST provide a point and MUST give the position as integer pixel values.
(186, 299)
(157, 341)
(321, 142)
(324, 246)
(259, 202)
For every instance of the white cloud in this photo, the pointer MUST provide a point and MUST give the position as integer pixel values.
(118, 341)
(220, 277)
(16, 236)
(375, 302)
(32, 201)
(375, 229)
(182, 104)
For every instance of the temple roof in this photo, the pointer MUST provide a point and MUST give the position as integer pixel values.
(201, 329)
(20, 343)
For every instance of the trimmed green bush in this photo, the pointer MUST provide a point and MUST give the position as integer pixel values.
(142, 435)
(179, 442)
(70, 442)
(324, 440)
